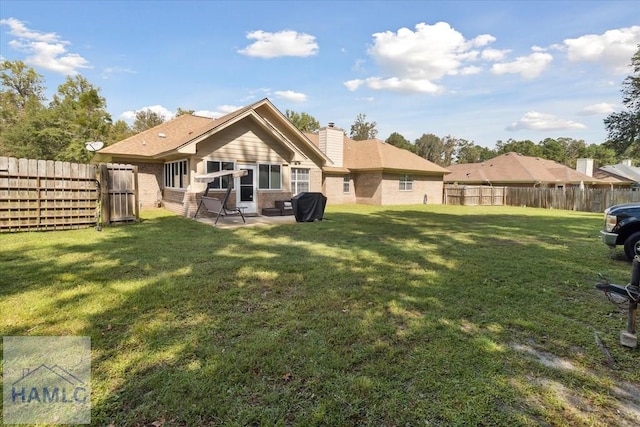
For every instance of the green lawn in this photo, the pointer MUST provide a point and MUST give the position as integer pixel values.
(404, 316)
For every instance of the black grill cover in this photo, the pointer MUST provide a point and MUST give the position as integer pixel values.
(308, 207)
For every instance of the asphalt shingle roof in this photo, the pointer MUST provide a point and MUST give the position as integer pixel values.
(516, 168)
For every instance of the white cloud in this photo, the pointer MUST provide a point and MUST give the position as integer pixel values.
(109, 71)
(220, 111)
(353, 84)
(158, 109)
(540, 121)
(612, 49)
(494, 54)
(45, 50)
(596, 109)
(290, 95)
(396, 84)
(414, 60)
(528, 67)
(431, 52)
(472, 69)
(282, 43)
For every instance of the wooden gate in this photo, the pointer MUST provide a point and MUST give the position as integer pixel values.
(53, 195)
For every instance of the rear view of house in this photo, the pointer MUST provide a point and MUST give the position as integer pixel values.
(280, 161)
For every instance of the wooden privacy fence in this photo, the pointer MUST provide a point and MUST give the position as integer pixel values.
(52, 195)
(474, 195)
(571, 198)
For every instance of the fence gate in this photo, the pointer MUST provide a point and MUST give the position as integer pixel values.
(119, 192)
(53, 195)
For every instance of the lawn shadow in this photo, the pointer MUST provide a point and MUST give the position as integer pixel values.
(385, 318)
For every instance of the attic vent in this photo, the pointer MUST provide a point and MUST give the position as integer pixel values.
(162, 135)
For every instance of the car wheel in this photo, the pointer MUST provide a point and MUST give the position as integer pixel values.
(632, 246)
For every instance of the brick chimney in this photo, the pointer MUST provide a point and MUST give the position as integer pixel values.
(585, 166)
(331, 141)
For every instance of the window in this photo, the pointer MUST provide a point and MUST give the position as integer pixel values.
(299, 180)
(346, 184)
(406, 183)
(176, 174)
(217, 166)
(269, 177)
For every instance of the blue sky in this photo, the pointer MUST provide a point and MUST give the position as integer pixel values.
(482, 71)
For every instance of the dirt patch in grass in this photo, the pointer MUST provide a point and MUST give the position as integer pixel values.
(623, 405)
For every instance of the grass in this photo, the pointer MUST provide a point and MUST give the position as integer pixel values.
(421, 315)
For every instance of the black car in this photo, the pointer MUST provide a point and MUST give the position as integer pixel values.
(622, 227)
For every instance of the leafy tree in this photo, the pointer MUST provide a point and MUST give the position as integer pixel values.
(43, 134)
(601, 155)
(21, 94)
(526, 148)
(79, 105)
(429, 146)
(22, 88)
(468, 152)
(117, 132)
(303, 121)
(551, 149)
(146, 119)
(449, 147)
(181, 112)
(623, 128)
(362, 130)
(399, 141)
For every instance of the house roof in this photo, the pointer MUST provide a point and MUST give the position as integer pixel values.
(162, 138)
(182, 133)
(516, 168)
(623, 171)
(374, 154)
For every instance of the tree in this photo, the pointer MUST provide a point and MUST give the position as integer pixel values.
(21, 94)
(551, 149)
(623, 128)
(181, 112)
(146, 119)
(526, 147)
(303, 122)
(601, 155)
(117, 132)
(399, 141)
(80, 107)
(362, 130)
(429, 146)
(22, 88)
(468, 152)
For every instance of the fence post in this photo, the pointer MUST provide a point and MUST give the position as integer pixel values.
(104, 194)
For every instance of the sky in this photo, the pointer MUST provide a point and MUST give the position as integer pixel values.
(482, 71)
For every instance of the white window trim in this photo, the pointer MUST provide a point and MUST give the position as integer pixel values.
(170, 178)
(405, 181)
(270, 188)
(212, 159)
(294, 182)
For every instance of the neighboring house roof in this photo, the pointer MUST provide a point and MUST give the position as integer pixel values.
(621, 170)
(180, 135)
(374, 154)
(516, 168)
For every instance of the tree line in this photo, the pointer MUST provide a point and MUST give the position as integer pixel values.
(59, 129)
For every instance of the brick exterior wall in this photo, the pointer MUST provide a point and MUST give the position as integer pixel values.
(149, 184)
(367, 188)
